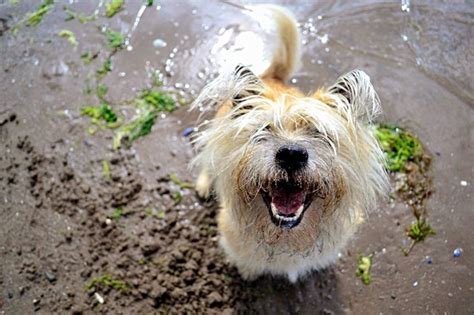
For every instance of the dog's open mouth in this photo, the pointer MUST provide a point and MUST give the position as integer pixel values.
(286, 203)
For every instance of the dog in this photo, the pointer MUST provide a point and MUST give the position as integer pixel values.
(294, 174)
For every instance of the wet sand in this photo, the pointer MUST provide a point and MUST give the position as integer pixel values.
(57, 209)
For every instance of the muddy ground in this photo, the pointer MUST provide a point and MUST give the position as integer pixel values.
(64, 222)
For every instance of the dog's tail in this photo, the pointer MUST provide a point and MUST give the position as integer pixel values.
(282, 34)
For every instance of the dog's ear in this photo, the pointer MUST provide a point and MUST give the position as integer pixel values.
(248, 84)
(357, 95)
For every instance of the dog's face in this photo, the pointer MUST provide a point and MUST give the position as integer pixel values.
(287, 163)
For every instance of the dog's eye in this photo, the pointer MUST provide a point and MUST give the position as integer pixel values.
(314, 131)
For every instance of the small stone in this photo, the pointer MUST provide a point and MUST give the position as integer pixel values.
(36, 301)
(150, 248)
(214, 299)
(99, 298)
(50, 276)
(428, 260)
(415, 284)
(463, 183)
(457, 252)
(188, 131)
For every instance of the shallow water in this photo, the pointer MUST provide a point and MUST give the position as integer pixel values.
(419, 55)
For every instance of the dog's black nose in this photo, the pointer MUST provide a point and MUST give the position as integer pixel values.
(292, 157)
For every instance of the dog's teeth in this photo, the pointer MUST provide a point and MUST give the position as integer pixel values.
(287, 219)
(274, 209)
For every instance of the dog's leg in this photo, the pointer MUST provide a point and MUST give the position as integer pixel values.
(203, 184)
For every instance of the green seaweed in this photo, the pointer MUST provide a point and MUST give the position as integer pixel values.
(71, 15)
(36, 17)
(180, 183)
(399, 145)
(115, 40)
(364, 263)
(149, 3)
(159, 100)
(149, 104)
(118, 213)
(104, 69)
(103, 112)
(106, 169)
(418, 232)
(101, 90)
(106, 280)
(113, 7)
(71, 38)
(140, 126)
(161, 215)
(88, 56)
(177, 197)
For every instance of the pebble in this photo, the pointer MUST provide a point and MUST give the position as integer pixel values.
(159, 43)
(99, 298)
(463, 183)
(457, 252)
(50, 276)
(428, 260)
(187, 131)
(214, 299)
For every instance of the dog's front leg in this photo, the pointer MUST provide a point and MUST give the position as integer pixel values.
(203, 184)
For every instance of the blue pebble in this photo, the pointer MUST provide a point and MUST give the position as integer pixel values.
(186, 132)
(457, 252)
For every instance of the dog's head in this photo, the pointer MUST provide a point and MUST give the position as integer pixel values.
(284, 162)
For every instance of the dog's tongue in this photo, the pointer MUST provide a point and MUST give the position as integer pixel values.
(287, 201)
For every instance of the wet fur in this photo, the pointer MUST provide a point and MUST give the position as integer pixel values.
(257, 115)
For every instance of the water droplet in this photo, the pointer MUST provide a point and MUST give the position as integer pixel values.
(405, 5)
(159, 43)
(324, 39)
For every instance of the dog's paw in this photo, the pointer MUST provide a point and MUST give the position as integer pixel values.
(203, 186)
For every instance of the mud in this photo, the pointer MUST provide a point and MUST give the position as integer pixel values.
(60, 227)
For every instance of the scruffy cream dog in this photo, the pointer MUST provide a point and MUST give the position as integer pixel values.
(294, 174)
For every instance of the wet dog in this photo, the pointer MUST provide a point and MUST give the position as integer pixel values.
(294, 174)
